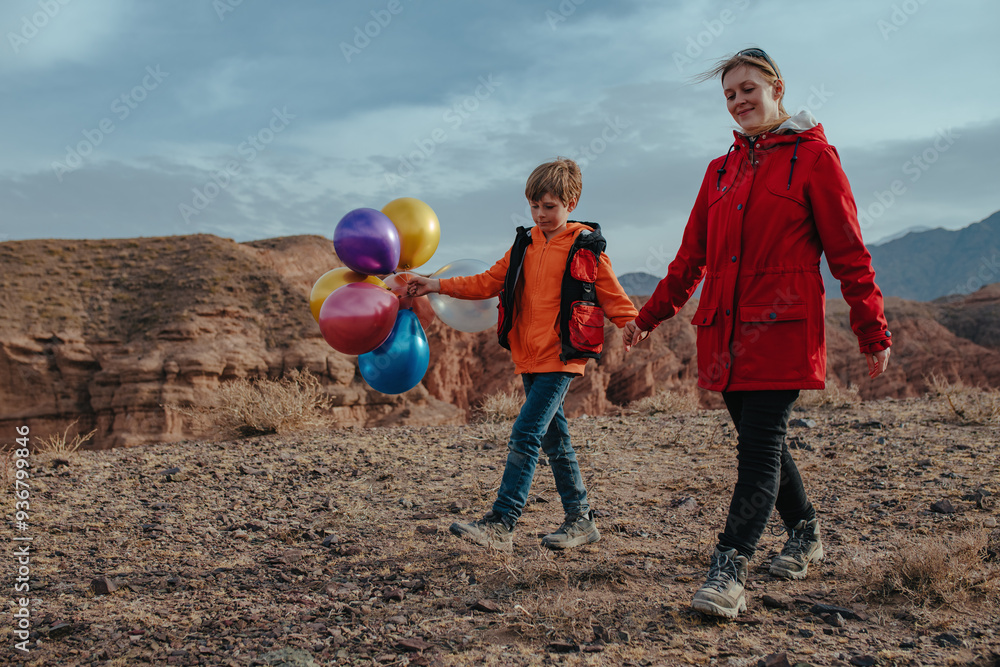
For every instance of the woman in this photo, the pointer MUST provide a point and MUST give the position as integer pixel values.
(766, 211)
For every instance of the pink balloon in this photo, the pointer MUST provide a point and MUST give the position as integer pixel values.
(420, 305)
(358, 317)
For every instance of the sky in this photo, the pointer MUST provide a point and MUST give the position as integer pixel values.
(253, 119)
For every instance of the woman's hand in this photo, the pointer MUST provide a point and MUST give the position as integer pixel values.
(419, 285)
(878, 362)
(631, 334)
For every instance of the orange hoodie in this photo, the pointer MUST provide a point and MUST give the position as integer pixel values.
(534, 337)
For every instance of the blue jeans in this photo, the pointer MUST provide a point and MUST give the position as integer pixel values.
(541, 424)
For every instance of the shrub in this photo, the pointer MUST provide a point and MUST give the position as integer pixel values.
(969, 404)
(937, 570)
(833, 396)
(248, 407)
(60, 445)
(501, 407)
(668, 402)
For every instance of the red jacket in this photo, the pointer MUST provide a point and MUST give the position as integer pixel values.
(755, 235)
(534, 337)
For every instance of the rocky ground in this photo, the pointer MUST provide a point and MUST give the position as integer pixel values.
(333, 548)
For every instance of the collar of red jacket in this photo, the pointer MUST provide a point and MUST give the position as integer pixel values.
(771, 139)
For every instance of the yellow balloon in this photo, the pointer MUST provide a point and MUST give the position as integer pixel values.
(419, 231)
(331, 280)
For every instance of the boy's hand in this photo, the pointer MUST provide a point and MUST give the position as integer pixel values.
(631, 335)
(419, 285)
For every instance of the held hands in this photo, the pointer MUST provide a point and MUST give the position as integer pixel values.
(419, 285)
(631, 335)
(878, 362)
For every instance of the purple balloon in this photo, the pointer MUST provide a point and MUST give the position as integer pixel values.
(367, 242)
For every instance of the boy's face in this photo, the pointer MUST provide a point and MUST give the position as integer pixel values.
(550, 214)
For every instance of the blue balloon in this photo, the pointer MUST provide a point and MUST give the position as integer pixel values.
(398, 364)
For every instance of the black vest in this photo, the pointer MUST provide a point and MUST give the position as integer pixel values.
(581, 319)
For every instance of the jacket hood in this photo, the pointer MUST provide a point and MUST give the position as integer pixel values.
(803, 126)
(800, 122)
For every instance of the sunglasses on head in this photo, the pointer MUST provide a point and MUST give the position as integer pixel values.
(759, 53)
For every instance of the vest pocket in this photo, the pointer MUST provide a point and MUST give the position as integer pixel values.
(586, 326)
(583, 267)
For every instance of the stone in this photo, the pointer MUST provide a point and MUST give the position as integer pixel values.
(821, 609)
(390, 594)
(774, 660)
(289, 657)
(775, 602)
(413, 645)
(564, 647)
(459, 505)
(803, 423)
(835, 620)
(943, 507)
(486, 606)
(104, 586)
(862, 661)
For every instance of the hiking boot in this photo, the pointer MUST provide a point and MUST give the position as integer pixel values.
(803, 547)
(722, 593)
(575, 530)
(490, 531)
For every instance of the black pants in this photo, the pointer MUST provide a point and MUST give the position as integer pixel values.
(767, 478)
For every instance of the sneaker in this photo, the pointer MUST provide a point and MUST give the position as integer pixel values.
(722, 593)
(803, 547)
(489, 531)
(575, 530)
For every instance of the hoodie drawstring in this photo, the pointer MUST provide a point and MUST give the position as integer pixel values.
(795, 156)
(722, 170)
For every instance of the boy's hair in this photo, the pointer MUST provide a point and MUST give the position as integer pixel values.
(560, 178)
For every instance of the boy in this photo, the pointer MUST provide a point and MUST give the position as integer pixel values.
(553, 284)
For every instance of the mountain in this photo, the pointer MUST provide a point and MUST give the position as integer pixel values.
(923, 266)
(107, 333)
(639, 283)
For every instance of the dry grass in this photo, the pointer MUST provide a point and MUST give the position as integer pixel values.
(249, 407)
(832, 396)
(667, 402)
(935, 570)
(501, 407)
(60, 445)
(967, 404)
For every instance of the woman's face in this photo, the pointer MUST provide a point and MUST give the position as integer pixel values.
(751, 100)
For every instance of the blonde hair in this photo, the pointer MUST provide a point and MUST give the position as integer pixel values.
(561, 178)
(766, 66)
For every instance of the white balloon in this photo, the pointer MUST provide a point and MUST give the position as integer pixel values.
(464, 314)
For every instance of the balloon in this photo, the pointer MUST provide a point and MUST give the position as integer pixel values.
(331, 280)
(367, 241)
(398, 364)
(419, 230)
(418, 304)
(358, 317)
(464, 314)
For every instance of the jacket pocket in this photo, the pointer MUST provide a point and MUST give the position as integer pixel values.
(586, 326)
(772, 342)
(712, 359)
(704, 317)
(780, 312)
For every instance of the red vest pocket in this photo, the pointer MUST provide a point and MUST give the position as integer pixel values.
(586, 325)
(583, 267)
